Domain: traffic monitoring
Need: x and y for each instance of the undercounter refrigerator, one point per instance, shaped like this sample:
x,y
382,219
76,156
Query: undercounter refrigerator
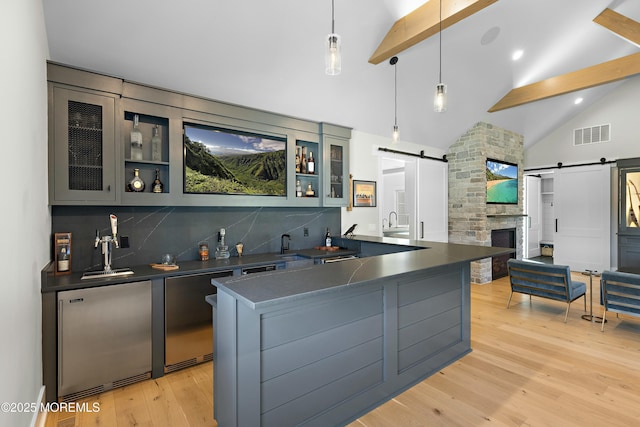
x,y
188,322
104,338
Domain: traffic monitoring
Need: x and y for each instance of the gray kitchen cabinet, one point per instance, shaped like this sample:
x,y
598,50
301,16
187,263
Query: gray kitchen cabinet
x,y
82,149
335,165
104,338
90,122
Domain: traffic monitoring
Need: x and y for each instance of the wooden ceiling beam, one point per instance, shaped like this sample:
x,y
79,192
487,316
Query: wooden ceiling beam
x,y
607,72
625,27
424,22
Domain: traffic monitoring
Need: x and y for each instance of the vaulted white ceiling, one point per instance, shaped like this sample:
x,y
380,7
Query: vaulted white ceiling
x,y
269,55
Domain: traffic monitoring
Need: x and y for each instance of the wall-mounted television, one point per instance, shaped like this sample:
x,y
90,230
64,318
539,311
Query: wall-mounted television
x,y
502,182
225,161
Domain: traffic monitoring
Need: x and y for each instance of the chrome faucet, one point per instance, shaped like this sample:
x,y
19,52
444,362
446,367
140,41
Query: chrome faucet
x,y
392,212
283,246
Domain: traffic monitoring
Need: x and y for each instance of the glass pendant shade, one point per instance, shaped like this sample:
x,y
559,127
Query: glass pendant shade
x,y
333,58
440,98
396,134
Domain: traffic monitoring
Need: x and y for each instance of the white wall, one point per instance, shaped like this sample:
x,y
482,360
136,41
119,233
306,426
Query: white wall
x,y
364,165
620,108
24,250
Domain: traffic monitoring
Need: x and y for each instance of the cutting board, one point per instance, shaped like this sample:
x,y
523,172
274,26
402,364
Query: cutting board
x,y
327,248
165,267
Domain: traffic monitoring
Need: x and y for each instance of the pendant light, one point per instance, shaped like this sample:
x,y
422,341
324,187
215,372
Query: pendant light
x,y
332,58
440,98
396,134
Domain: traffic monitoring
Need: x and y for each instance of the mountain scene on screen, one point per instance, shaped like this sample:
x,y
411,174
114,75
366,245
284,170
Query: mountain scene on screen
x,y
246,171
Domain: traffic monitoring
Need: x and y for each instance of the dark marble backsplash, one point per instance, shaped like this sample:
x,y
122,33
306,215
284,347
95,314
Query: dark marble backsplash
x,y
154,231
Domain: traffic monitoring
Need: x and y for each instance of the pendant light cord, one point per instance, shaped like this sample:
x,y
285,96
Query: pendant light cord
x,y
440,75
333,21
395,91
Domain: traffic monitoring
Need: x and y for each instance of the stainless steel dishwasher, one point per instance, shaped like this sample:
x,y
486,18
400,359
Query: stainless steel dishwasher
x,y
104,338
188,320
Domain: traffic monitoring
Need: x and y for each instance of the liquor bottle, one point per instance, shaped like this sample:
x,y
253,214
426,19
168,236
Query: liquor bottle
x,y
311,164
136,184
156,145
136,140
298,188
63,260
157,184
297,161
327,238
303,161
310,192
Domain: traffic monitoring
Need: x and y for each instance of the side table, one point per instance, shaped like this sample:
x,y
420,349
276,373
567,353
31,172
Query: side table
x,y
590,317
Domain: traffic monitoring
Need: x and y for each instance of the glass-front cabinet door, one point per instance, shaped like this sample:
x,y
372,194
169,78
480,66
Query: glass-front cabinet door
x,y
629,215
83,147
336,171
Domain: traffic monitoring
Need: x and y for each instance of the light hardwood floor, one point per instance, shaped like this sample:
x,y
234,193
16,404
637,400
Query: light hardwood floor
x,y
527,368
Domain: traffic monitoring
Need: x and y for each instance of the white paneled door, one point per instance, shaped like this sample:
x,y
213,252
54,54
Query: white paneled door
x,y
533,209
583,209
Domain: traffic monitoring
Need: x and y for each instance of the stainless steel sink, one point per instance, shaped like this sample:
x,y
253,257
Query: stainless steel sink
x,y
401,232
104,274
291,257
295,260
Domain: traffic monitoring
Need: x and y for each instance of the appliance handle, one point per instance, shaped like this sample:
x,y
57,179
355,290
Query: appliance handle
x,y
422,229
60,349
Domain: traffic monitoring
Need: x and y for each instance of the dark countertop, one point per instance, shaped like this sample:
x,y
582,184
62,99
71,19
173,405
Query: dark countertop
x,y
51,283
283,286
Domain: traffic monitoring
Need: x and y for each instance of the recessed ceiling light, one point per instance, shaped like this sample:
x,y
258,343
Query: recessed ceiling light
x,y
577,101
517,54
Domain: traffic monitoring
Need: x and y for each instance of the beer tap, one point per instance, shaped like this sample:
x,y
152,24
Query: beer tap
x,y
107,244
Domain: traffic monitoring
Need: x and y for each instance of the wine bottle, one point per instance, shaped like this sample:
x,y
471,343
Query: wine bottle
x,y
136,184
157,184
63,260
156,145
311,164
327,238
136,140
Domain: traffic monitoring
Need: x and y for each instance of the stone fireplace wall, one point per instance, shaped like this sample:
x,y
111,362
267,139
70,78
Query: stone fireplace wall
x,y
471,219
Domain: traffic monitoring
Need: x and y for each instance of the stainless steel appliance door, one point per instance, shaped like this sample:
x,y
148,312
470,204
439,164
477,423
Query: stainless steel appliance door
x,y
104,335
188,321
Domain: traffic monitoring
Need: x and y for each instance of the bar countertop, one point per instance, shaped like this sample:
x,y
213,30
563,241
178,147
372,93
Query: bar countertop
x,y
283,286
52,283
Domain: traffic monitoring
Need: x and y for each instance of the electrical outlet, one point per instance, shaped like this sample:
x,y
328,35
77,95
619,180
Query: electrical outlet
x,y
306,232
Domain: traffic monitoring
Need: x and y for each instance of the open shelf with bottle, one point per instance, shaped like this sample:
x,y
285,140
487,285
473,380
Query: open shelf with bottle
x,y
307,170
152,159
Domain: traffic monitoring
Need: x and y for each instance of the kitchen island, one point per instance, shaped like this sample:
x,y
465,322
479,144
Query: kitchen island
x,y
322,345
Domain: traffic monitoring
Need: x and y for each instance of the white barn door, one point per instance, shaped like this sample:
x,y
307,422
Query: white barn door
x,y
583,209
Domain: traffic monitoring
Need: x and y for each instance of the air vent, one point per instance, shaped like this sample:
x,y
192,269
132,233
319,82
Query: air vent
x,y
592,135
